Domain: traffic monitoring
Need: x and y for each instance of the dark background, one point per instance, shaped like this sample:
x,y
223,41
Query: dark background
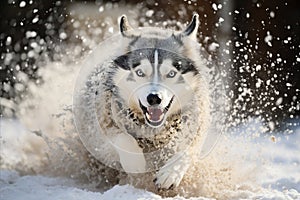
x,y
277,98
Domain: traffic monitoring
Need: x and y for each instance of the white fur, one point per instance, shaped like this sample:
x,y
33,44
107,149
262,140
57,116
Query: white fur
x,y
171,174
130,154
106,129
155,77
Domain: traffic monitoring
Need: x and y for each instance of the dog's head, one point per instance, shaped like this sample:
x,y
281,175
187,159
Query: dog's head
x,y
155,77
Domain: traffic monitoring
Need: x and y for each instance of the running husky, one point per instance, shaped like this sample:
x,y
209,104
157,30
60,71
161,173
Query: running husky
x,y
146,109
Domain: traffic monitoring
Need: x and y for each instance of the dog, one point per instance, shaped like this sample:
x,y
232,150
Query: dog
x,y
145,107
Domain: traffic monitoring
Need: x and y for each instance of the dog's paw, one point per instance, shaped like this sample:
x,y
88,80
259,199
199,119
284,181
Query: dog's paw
x,y
171,174
168,179
130,154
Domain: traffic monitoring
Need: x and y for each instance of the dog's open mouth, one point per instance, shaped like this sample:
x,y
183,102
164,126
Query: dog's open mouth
x,y
155,115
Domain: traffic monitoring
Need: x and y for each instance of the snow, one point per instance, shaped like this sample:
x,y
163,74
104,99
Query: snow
x,y
272,14
35,20
278,177
101,9
63,35
8,40
16,187
22,4
268,39
260,165
38,187
31,34
149,13
213,46
214,6
217,7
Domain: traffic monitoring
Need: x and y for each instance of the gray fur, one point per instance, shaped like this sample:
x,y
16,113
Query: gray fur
x,y
103,114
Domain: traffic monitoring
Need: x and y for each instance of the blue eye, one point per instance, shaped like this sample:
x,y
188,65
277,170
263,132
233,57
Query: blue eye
x,y
171,74
140,73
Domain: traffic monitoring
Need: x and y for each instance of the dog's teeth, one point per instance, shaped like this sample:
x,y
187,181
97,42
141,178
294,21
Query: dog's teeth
x,y
161,117
147,115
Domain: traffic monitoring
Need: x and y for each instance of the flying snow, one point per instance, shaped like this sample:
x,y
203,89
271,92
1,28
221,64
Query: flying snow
x,y
254,159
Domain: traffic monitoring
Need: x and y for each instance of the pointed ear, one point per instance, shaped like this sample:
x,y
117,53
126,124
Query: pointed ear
x,y
192,28
124,25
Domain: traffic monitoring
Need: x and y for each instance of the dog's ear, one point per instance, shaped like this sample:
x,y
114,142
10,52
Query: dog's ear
x,y
192,28
124,25
123,62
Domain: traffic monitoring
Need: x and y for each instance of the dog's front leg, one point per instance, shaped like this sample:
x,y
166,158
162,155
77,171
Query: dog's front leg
x,y
171,174
130,154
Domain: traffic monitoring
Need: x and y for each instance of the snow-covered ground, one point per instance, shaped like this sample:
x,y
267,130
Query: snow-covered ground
x,y
278,177
246,163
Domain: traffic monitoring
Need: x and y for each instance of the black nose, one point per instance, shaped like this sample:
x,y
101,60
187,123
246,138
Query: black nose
x,y
153,99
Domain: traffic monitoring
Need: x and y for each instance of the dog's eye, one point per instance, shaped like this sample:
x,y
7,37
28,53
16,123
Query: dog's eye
x,y
140,73
171,74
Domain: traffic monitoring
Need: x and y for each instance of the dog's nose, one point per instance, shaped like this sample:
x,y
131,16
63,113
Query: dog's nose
x,y
153,99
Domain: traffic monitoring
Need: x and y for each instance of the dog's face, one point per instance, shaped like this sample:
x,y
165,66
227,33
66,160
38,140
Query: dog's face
x,y
155,81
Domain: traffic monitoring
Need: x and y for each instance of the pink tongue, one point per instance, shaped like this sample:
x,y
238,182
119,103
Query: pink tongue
x,y
155,114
